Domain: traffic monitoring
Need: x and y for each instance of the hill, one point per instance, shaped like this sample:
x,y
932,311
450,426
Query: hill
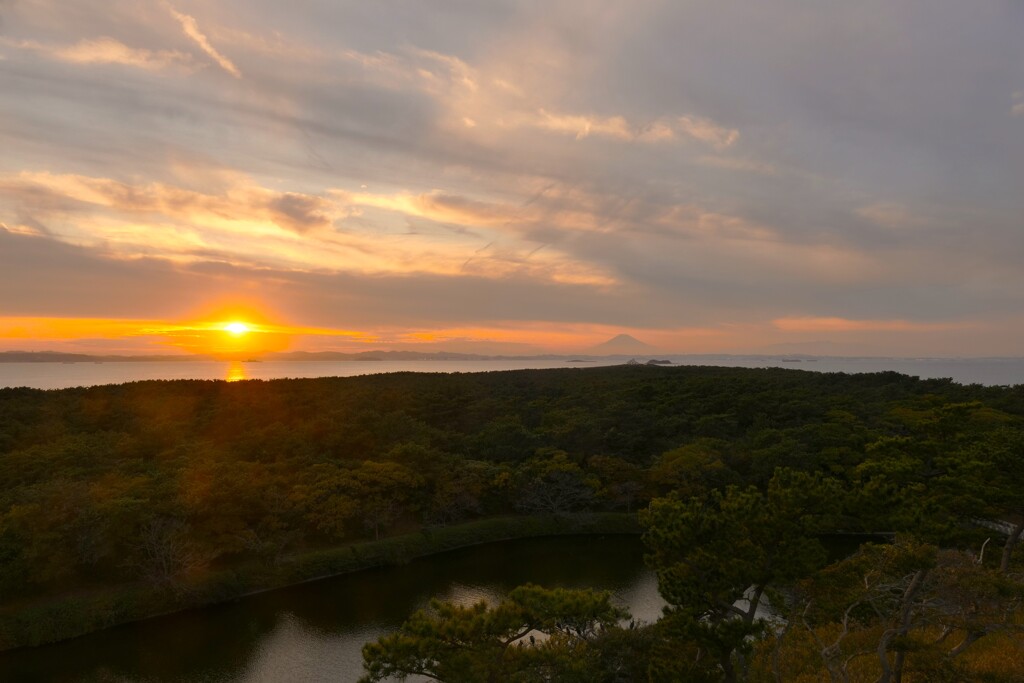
x,y
622,345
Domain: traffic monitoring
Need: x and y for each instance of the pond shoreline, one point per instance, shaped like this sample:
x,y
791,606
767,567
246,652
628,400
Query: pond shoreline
x,y
63,618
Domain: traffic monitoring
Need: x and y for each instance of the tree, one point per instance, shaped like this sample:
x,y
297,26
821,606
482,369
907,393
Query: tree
x,y
717,555
377,493
536,634
554,484
623,483
904,600
693,469
383,491
458,490
324,499
998,484
960,470
167,552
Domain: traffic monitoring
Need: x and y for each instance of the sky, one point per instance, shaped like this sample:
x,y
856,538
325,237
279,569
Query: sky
x,y
512,176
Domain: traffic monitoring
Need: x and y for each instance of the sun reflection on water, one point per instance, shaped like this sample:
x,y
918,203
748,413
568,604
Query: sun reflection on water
x,y
237,371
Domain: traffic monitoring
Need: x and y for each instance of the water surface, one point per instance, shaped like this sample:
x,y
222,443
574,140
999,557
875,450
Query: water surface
x,y
314,633
988,371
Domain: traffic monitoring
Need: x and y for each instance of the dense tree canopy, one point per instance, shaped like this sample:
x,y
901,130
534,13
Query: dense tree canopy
x,y
536,634
161,482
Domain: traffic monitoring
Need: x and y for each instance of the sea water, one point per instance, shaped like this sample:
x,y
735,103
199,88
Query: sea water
x,y
50,375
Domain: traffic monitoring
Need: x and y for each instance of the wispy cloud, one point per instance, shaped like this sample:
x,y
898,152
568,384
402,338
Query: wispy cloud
x,y
664,129
191,29
477,97
108,50
440,74
244,222
241,202
815,324
892,215
707,131
581,126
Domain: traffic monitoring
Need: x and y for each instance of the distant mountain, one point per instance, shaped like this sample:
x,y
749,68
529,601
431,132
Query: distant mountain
x,y
62,357
376,355
622,345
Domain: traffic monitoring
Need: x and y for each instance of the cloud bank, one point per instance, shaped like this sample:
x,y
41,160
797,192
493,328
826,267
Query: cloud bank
x,y
719,177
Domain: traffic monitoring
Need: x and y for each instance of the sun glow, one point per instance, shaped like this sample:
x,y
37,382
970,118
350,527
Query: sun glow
x,y
236,328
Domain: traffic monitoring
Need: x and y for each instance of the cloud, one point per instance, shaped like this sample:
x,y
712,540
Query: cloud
x,y
708,132
672,161
815,324
239,202
476,96
73,281
299,212
454,69
245,223
437,206
583,126
191,29
566,212
239,221
892,215
662,129
110,51
737,164
442,75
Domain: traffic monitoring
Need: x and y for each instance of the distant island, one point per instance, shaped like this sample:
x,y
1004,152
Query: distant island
x,y
61,357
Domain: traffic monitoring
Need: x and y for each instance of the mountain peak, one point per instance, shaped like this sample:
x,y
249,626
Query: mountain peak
x,y
622,344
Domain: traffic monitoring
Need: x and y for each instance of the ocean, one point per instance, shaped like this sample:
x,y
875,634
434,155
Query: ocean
x,y
987,371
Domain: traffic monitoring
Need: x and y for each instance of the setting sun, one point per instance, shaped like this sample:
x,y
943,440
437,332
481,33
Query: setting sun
x,y
236,328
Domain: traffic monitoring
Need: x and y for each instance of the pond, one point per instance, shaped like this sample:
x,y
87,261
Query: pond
x,y
315,632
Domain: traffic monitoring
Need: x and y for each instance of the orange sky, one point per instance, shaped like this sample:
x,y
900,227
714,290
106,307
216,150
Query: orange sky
x,y
250,334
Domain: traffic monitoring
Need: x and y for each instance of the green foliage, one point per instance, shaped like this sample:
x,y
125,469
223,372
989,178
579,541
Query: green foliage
x,y
536,634
716,555
173,483
693,469
553,484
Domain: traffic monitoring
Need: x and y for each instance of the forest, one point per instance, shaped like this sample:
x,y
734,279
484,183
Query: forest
x,y
737,475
